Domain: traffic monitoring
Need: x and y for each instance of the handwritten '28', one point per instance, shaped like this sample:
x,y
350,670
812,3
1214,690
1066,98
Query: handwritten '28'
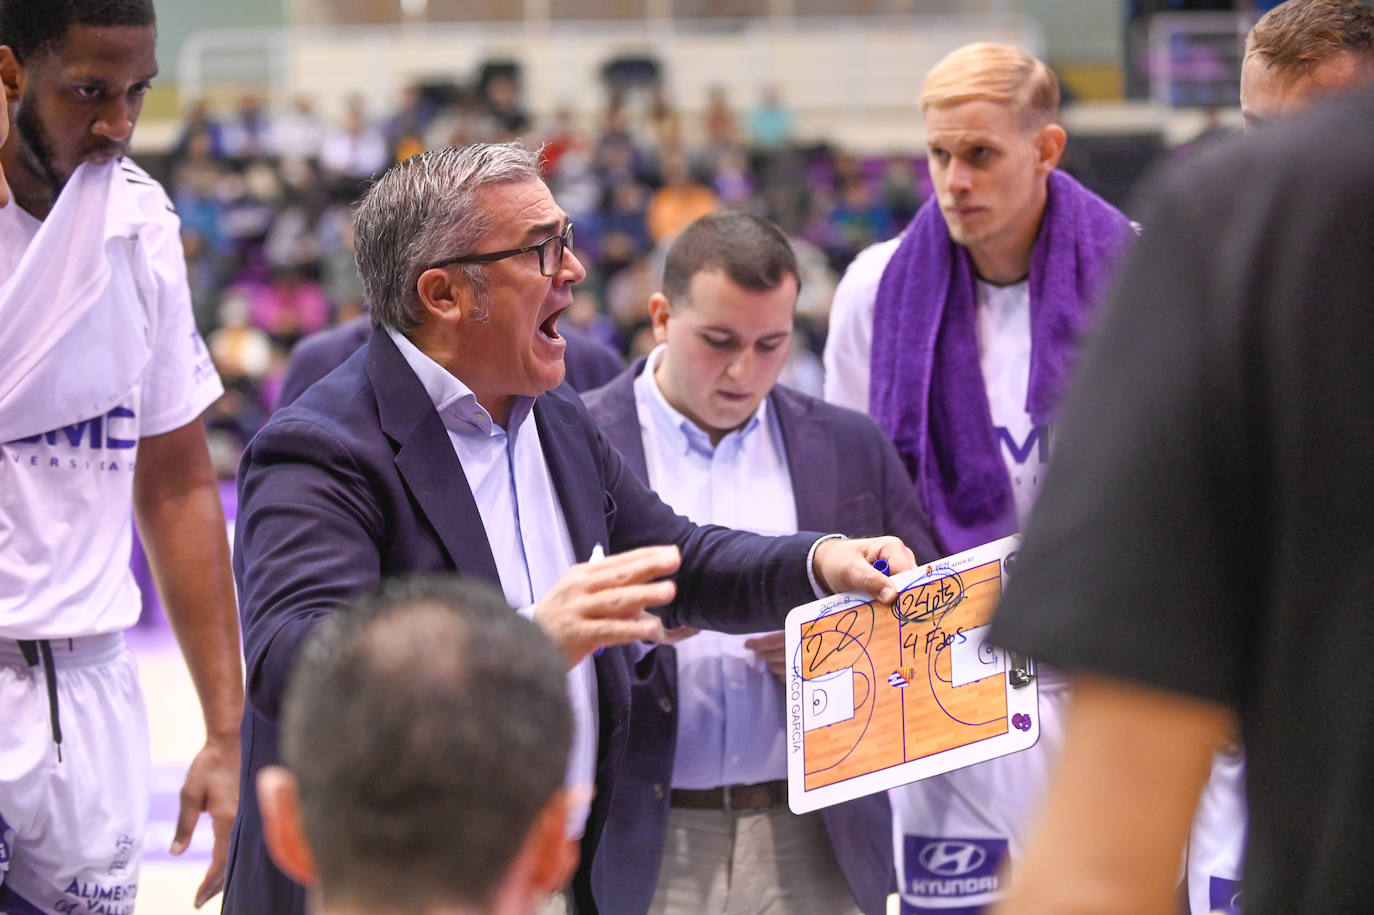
x,y
818,647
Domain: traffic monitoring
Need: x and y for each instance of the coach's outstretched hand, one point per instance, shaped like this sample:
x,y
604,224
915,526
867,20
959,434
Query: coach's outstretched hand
x,y
603,602
847,565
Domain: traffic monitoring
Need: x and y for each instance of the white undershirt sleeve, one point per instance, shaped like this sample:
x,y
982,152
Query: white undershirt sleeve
x,y
849,344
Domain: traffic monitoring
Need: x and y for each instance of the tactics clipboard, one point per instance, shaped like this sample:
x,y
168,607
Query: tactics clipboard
x,y
880,695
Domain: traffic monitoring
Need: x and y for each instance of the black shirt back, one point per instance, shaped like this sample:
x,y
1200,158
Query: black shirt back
x,y
1206,524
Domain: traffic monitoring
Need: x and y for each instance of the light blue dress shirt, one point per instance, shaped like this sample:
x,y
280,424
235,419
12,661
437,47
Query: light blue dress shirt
x,y
524,523
731,708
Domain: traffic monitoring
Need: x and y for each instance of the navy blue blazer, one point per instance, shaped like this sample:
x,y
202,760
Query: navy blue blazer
x,y
846,478
589,362
358,480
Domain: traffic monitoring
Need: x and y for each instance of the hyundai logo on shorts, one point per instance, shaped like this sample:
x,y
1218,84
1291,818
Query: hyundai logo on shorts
x,y
952,858
945,867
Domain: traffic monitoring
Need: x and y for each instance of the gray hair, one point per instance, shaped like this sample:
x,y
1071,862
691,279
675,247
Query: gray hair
x,y
424,210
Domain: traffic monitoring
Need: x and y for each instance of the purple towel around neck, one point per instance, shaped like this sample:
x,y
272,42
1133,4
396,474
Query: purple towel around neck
x,y
927,389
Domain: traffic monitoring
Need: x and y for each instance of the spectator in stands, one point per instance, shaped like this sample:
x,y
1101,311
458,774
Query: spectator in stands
x,y
405,801
1304,49
733,181
356,149
625,212
502,97
679,201
617,157
858,218
719,123
338,271
771,123
198,121
405,129
290,305
665,123
560,138
248,134
240,349
298,131
196,190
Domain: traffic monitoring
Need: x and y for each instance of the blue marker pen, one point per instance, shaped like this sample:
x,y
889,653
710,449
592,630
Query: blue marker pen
x,y
881,566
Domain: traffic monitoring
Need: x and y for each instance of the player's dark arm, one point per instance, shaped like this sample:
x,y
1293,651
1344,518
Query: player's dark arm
x,y
1119,808
181,523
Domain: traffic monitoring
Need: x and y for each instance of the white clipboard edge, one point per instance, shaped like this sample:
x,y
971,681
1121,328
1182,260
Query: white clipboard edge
x,y
1022,700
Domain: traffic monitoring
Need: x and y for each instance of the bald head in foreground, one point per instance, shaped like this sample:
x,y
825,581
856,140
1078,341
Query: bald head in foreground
x,y
396,793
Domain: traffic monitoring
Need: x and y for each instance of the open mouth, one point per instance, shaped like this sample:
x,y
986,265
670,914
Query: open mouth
x,y
548,329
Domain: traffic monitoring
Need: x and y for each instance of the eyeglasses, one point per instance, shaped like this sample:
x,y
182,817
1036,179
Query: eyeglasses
x,y
550,253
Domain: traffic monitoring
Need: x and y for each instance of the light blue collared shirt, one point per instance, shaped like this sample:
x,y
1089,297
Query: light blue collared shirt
x,y
731,708
524,524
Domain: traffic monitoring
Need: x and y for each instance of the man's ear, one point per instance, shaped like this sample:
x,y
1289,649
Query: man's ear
x,y
7,64
1050,141
660,310
11,74
281,824
555,855
444,295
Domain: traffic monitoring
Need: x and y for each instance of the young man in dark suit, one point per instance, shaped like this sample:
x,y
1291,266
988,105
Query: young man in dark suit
x,y
704,422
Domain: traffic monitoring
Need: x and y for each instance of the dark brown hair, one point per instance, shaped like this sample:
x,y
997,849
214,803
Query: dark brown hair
x,y
752,252
1297,36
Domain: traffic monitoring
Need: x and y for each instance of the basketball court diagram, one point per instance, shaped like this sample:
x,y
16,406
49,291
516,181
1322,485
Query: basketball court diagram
x,y
885,694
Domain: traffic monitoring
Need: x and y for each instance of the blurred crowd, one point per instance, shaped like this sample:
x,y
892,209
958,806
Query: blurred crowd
x,y
265,199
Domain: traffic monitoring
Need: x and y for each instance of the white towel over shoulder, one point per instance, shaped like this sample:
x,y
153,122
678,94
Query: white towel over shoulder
x,y
77,332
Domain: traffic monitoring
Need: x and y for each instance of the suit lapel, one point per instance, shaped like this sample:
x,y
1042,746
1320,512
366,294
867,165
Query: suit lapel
x,y
618,418
812,459
576,478
426,460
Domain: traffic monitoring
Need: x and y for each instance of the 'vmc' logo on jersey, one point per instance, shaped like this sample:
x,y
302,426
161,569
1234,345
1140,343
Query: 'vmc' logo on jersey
x,y
1038,440
117,429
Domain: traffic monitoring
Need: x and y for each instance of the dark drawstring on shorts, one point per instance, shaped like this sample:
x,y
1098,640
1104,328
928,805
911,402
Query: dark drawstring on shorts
x,y
31,650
